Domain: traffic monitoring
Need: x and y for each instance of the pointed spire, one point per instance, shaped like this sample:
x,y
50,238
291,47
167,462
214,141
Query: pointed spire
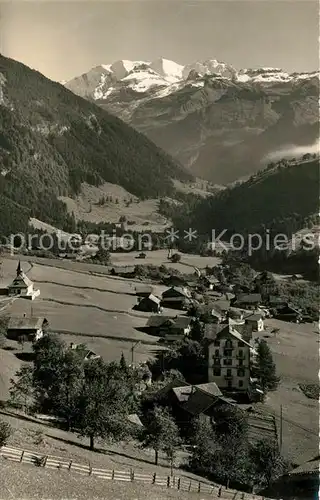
x,y
19,270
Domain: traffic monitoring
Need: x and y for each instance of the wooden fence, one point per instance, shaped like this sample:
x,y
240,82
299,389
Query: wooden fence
x,y
177,482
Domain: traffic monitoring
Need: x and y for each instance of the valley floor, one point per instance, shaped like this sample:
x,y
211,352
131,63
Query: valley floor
x,y
97,310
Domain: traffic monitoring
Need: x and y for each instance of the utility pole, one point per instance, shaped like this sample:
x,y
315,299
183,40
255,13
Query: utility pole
x,y
132,350
281,427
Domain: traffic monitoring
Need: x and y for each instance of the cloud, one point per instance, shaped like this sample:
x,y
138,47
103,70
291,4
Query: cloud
x,y
293,151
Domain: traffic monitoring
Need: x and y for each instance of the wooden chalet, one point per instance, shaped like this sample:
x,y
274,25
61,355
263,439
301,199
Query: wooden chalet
x,y
29,329
151,303
176,297
169,327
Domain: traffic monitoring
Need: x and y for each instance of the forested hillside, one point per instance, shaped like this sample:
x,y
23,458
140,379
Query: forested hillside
x,y
278,198
52,140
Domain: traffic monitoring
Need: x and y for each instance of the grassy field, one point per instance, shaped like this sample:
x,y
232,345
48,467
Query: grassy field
x,y
159,257
95,310
27,483
295,351
86,207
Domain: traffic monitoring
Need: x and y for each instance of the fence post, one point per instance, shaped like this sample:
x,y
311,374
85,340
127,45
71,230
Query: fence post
x,y
112,475
69,466
168,482
189,489
132,475
21,458
235,496
154,478
45,461
90,469
179,480
199,487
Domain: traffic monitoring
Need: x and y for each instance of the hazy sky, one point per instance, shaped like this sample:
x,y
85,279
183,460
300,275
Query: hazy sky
x,y
63,39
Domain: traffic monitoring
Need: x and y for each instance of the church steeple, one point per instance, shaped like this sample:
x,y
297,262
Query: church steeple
x,y
19,270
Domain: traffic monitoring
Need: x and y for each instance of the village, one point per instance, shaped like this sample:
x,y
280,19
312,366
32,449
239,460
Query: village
x,y
228,320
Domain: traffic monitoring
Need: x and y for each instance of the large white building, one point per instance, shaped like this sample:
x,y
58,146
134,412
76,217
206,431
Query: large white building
x,y
230,354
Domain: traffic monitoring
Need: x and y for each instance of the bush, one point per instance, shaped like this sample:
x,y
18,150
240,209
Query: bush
x,y
176,257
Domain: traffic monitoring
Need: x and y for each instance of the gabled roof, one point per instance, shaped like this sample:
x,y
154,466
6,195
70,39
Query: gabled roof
x,y
211,279
254,317
26,323
196,399
178,289
21,278
213,332
249,298
224,305
171,321
309,467
153,298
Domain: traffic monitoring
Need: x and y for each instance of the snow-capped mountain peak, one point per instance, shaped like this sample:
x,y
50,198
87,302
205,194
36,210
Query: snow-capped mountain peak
x,y
168,69
121,68
163,76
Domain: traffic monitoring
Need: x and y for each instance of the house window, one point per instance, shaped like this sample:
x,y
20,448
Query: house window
x,y
240,372
217,372
240,343
216,343
227,353
229,383
229,372
217,353
240,362
228,343
241,353
227,362
240,383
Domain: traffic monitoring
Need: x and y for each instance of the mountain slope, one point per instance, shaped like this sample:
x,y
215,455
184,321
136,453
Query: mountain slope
x,y
51,141
279,198
219,122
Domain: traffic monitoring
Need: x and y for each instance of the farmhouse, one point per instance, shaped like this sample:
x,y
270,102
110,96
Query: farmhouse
x,y
210,282
229,356
169,327
255,321
151,303
247,301
302,482
189,401
177,297
22,286
288,313
85,353
26,328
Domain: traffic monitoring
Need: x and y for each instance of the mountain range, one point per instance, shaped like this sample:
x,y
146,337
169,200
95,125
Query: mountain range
x,y
52,141
220,122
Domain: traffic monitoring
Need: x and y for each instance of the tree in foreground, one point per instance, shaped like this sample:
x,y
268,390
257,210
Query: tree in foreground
x,y
161,434
266,368
21,390
230,421
5,432
221,455
202,439
102,406
266,462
